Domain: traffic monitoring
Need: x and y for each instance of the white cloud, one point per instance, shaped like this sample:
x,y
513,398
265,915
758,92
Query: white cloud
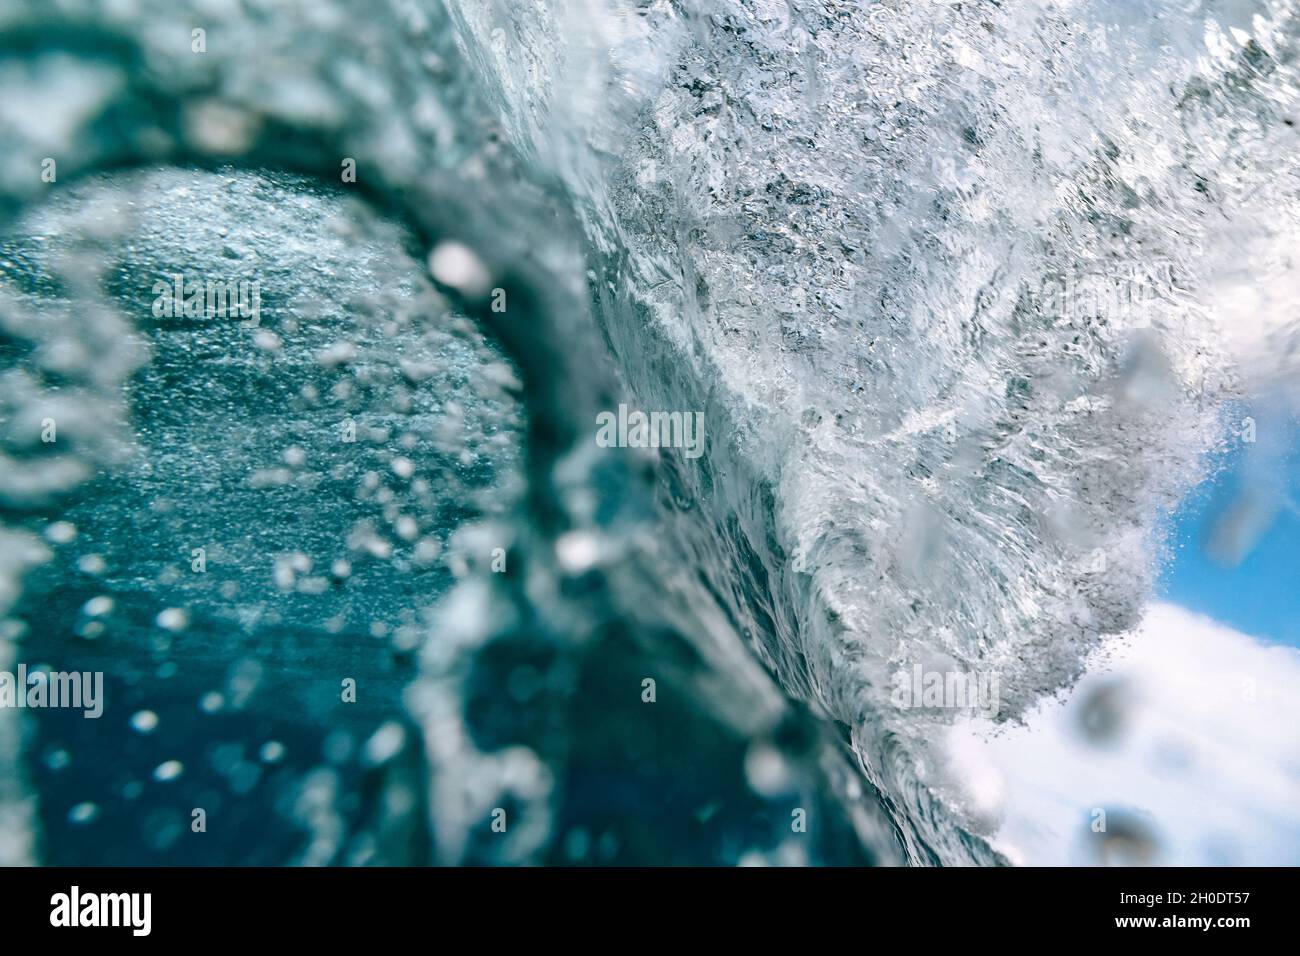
x,y
1187,734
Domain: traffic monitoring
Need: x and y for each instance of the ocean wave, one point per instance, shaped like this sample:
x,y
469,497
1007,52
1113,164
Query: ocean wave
x,y
946,283
943,281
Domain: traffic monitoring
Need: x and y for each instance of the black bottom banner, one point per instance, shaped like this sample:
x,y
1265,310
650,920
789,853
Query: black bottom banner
x,y
577,905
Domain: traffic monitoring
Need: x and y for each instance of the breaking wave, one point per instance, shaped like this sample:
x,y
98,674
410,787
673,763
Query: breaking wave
x,y
960,290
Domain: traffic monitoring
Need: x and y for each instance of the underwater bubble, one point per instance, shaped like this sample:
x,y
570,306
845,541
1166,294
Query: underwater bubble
x,y
767,770
457,266
385,744
577,551
58,759
83,813
98,606
61,532
168,770
173,619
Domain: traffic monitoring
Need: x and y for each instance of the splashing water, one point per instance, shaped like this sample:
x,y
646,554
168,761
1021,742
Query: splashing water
x,y
960,292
